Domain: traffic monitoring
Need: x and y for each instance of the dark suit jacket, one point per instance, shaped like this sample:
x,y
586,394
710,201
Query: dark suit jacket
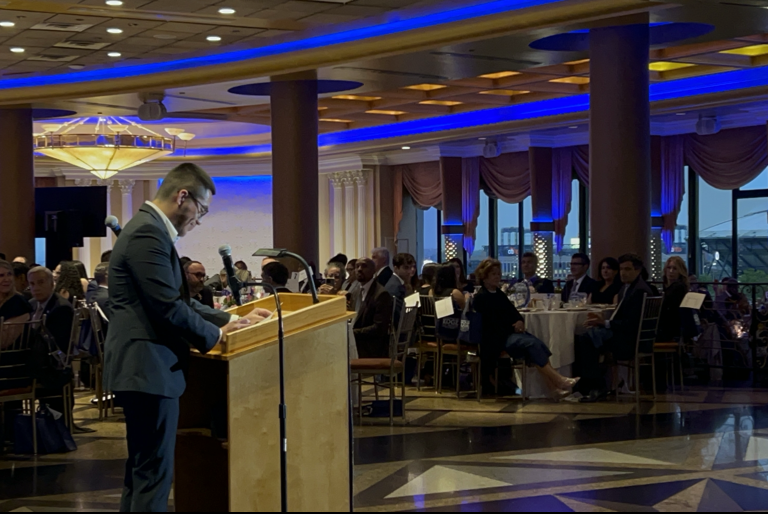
x,y
542,285
586,287
385,275
153,322
58,313
101,297
205,296
395,288
372,324
626,321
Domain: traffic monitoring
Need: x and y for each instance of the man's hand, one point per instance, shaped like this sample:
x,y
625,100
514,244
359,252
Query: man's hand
x,y
235,325
257,315
326,289
594,319
519,327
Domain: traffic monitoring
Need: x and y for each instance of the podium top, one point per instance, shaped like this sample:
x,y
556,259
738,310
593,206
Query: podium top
x,y
299,314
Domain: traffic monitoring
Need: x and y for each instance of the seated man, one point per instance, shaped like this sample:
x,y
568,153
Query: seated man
x,y
581,282
100,295
196,277
374,313
528,265
57,311
20,271
617,335
275,274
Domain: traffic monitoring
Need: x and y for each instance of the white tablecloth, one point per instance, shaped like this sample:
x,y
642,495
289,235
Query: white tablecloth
x,y
556,329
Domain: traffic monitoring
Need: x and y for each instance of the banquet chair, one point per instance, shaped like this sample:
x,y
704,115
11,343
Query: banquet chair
x,y
17,377
646,336
515,365
392,367
427,348
671,349
97,326
461,352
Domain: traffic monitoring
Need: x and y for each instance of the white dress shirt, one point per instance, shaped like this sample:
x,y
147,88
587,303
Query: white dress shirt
x,y
577,284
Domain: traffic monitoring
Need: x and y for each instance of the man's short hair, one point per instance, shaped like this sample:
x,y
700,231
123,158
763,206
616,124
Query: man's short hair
x,y
277,272
41,269
383,251
530,255
101,272
186,176
635,259
20,269
189,263
403,259
584,257
106,256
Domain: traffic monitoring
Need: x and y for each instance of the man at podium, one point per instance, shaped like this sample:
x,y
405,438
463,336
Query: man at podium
x,y
154,322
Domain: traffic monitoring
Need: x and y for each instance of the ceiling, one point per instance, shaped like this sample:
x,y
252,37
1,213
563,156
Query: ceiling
x,y
63,35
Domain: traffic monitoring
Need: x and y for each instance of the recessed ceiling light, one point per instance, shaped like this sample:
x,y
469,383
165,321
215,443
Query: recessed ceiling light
x,y
500,75
7,24
115,3
504,92
226,10
426,87
481,138
357,97
114,30
164,36
572,80
668,66
114,54
406,148
680,114
213,39
388,113
445,103
76,66
17,50
573,127
335,120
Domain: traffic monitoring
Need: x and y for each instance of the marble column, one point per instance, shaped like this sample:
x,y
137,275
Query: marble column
x,y
620,142
84,253
337,181
126,188
17,176
350,211
295,164
362,218
106,242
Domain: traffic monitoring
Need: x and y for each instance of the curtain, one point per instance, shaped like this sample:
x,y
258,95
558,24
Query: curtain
x,y
672,185
507,177
729,159
470,200
581,163
422,180
562,176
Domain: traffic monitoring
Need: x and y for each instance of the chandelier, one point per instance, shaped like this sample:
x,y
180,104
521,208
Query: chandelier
x,y
105,147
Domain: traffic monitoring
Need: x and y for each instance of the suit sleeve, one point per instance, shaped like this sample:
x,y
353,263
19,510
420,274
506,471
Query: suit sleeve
x,y
382,317
217,317
150,263
630,322
59,324
547,287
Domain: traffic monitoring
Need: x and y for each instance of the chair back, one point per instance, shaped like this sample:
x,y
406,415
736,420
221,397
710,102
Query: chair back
x,y
81,315
649,323
428,318
16,340
408,325
97,326
396,326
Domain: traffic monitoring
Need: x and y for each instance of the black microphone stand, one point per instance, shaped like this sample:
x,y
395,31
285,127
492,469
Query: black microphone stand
x,y
282,410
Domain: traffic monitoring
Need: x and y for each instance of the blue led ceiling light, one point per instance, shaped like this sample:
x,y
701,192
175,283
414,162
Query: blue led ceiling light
x,y
393,23
721,82
659,34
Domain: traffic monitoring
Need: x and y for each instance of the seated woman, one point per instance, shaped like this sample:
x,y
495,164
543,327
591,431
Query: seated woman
x,y
445,285
504,331
606,291
461,278
69,284
335,276
428,273
14,308
675,288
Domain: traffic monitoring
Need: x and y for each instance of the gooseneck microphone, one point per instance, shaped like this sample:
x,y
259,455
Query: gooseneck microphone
x,y
234,283
113,224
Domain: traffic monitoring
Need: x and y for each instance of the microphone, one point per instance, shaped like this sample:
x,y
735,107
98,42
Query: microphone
x,y
234,283
112,223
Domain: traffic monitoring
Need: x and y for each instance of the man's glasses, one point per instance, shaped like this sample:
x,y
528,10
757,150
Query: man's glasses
x,y
202,277
202,210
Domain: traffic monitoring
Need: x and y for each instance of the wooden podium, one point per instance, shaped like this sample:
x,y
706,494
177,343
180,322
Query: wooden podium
x,y
233,393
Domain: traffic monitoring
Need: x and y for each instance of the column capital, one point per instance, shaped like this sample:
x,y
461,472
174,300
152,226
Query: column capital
x,y
126,186
337,179
108,182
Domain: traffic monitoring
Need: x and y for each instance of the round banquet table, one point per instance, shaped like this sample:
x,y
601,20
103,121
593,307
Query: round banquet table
x,y
556,329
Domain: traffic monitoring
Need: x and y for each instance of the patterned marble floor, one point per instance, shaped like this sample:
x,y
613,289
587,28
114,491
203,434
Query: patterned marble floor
x,y
702,450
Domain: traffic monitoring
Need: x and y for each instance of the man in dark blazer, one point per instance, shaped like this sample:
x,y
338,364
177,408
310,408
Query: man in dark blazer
x,y
46,304
528,264
380,258
581,282
374,313
101,294
617,335
154,323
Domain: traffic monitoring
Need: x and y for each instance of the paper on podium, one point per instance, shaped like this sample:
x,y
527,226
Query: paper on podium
x,y
693,301
444,308
412,301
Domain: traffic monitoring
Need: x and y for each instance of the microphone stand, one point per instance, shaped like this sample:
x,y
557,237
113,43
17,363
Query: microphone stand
x,y
282,409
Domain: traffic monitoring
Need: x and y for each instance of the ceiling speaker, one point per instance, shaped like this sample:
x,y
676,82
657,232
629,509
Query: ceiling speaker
x,y
707,125
491,149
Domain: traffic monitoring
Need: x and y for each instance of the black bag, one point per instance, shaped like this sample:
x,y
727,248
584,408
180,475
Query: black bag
x,y
53,436
471,329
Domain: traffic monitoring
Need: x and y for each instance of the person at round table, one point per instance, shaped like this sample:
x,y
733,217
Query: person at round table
x,y
14,308
606,291
675,288
446,285
335,275
504,332
404,265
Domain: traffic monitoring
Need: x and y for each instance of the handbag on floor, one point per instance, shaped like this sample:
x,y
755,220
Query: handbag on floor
x,y
471,328
53,436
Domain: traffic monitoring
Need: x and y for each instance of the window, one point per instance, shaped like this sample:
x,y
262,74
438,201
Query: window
x,y
714,254
508,238
760,182
680,242
562,260
430,241
481,235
